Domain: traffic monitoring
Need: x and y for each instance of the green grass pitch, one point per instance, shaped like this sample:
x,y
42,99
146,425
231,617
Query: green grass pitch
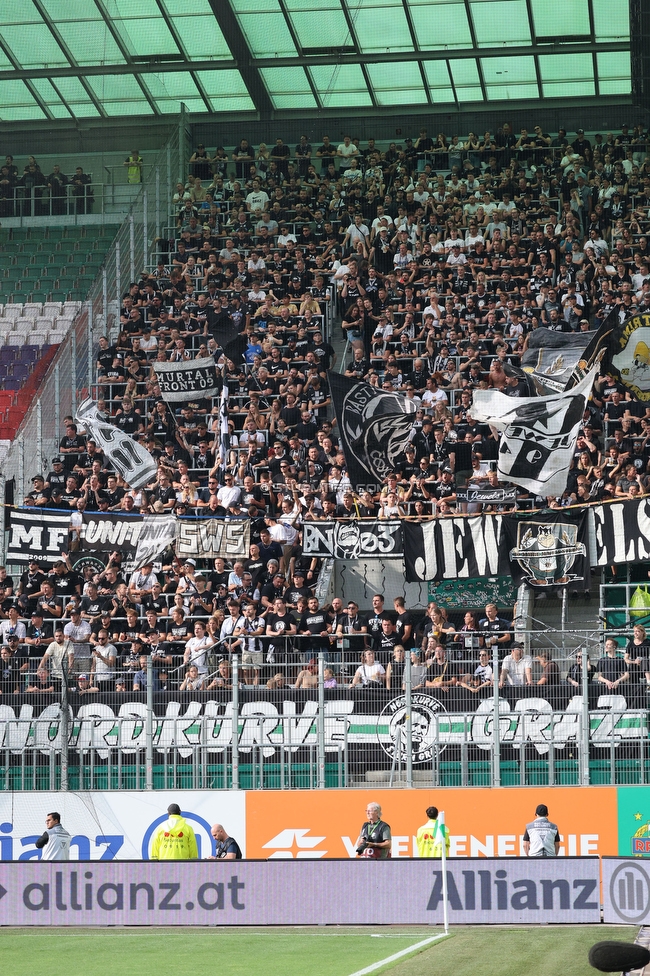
x,y
336,951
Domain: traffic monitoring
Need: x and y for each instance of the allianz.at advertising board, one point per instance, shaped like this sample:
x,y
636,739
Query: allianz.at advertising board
x,y
288,892
292,723
626,891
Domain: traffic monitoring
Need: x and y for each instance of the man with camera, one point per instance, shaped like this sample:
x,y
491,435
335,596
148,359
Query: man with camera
x,y
374,839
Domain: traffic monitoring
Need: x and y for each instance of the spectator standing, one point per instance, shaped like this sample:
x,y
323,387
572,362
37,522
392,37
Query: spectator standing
x,y
55,841
174,840
374,838
431,836
541,837
134,164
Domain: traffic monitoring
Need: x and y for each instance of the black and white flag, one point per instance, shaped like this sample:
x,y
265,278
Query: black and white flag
x,y
538,434
454,548
130,459
191,380
374,427
551,357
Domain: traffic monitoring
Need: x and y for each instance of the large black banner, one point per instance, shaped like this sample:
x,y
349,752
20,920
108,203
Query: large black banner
x,y
374,428
191,380
454,548
352,539
621,532
547,548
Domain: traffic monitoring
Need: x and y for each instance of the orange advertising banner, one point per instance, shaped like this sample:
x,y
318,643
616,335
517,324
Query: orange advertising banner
x,y
481,822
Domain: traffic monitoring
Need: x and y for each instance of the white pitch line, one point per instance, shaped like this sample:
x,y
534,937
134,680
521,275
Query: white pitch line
x,y
399,955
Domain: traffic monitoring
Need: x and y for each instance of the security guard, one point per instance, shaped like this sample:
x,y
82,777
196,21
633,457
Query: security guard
x,y
430,836
174,840
541,837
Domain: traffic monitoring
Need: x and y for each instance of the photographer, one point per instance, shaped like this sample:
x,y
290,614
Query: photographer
x,y
374,839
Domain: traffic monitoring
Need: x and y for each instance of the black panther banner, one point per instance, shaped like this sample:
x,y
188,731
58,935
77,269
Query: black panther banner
x,y
374,428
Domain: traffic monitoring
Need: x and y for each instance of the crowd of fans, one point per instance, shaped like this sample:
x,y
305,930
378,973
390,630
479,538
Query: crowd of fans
x,y
32,192
436,259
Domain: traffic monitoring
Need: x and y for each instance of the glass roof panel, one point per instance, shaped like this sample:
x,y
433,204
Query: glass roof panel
x,y
17,102
146,35
90,43
267,33
72,91
566,75
397,83
321,29
340,85
74,10
171,84
226,91
123,107
440,25
33,46
437,75
611,19
380,25
4,60
124,9
201,36
16,12
553,18
499,22
180,8
466,80
614,73
288,87
50,97
115,86
505,71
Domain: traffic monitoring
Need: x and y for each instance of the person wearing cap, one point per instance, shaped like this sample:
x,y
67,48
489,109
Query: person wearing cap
x,y
85,686
77,629
39,495
141,582
516,668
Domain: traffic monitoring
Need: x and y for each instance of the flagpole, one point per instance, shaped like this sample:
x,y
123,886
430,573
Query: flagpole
x,y
445,903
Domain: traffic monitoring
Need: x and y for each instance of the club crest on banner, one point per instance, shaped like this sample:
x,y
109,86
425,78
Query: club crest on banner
x,y
632,357
546,552
424,720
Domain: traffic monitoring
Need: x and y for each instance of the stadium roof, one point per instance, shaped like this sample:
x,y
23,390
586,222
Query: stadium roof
x,y
63,59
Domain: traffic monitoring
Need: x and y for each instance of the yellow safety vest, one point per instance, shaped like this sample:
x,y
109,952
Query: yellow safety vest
x,y
174,841
429,839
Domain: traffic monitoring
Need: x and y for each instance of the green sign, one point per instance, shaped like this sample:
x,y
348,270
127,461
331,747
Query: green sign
x,y
474,593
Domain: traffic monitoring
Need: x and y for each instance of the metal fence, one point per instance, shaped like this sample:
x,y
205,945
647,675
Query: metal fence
x,y
331,732
72,372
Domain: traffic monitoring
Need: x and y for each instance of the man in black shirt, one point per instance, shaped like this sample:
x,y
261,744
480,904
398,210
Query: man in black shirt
x,y
374,619
315,623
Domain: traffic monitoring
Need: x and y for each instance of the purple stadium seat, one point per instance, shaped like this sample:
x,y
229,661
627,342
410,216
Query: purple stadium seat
x,y
7,354
20,371
11,383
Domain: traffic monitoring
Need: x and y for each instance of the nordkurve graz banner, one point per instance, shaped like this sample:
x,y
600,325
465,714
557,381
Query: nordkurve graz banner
x,y
372,724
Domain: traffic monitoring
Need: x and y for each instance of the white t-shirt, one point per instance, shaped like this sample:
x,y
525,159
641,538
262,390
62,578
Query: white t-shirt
x,y
370,672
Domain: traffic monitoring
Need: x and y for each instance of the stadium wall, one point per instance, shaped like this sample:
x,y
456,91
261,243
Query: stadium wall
x,y
324,824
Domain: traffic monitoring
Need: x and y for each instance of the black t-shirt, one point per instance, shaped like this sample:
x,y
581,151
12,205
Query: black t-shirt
x,y
373,623
228,846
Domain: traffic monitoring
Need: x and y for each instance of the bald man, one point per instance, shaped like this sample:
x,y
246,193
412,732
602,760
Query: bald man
x,y
227,848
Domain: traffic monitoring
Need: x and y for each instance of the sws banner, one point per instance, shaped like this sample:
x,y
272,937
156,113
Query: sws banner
x,y
352,539
191,380
43,535
210,538
374,427
295,892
